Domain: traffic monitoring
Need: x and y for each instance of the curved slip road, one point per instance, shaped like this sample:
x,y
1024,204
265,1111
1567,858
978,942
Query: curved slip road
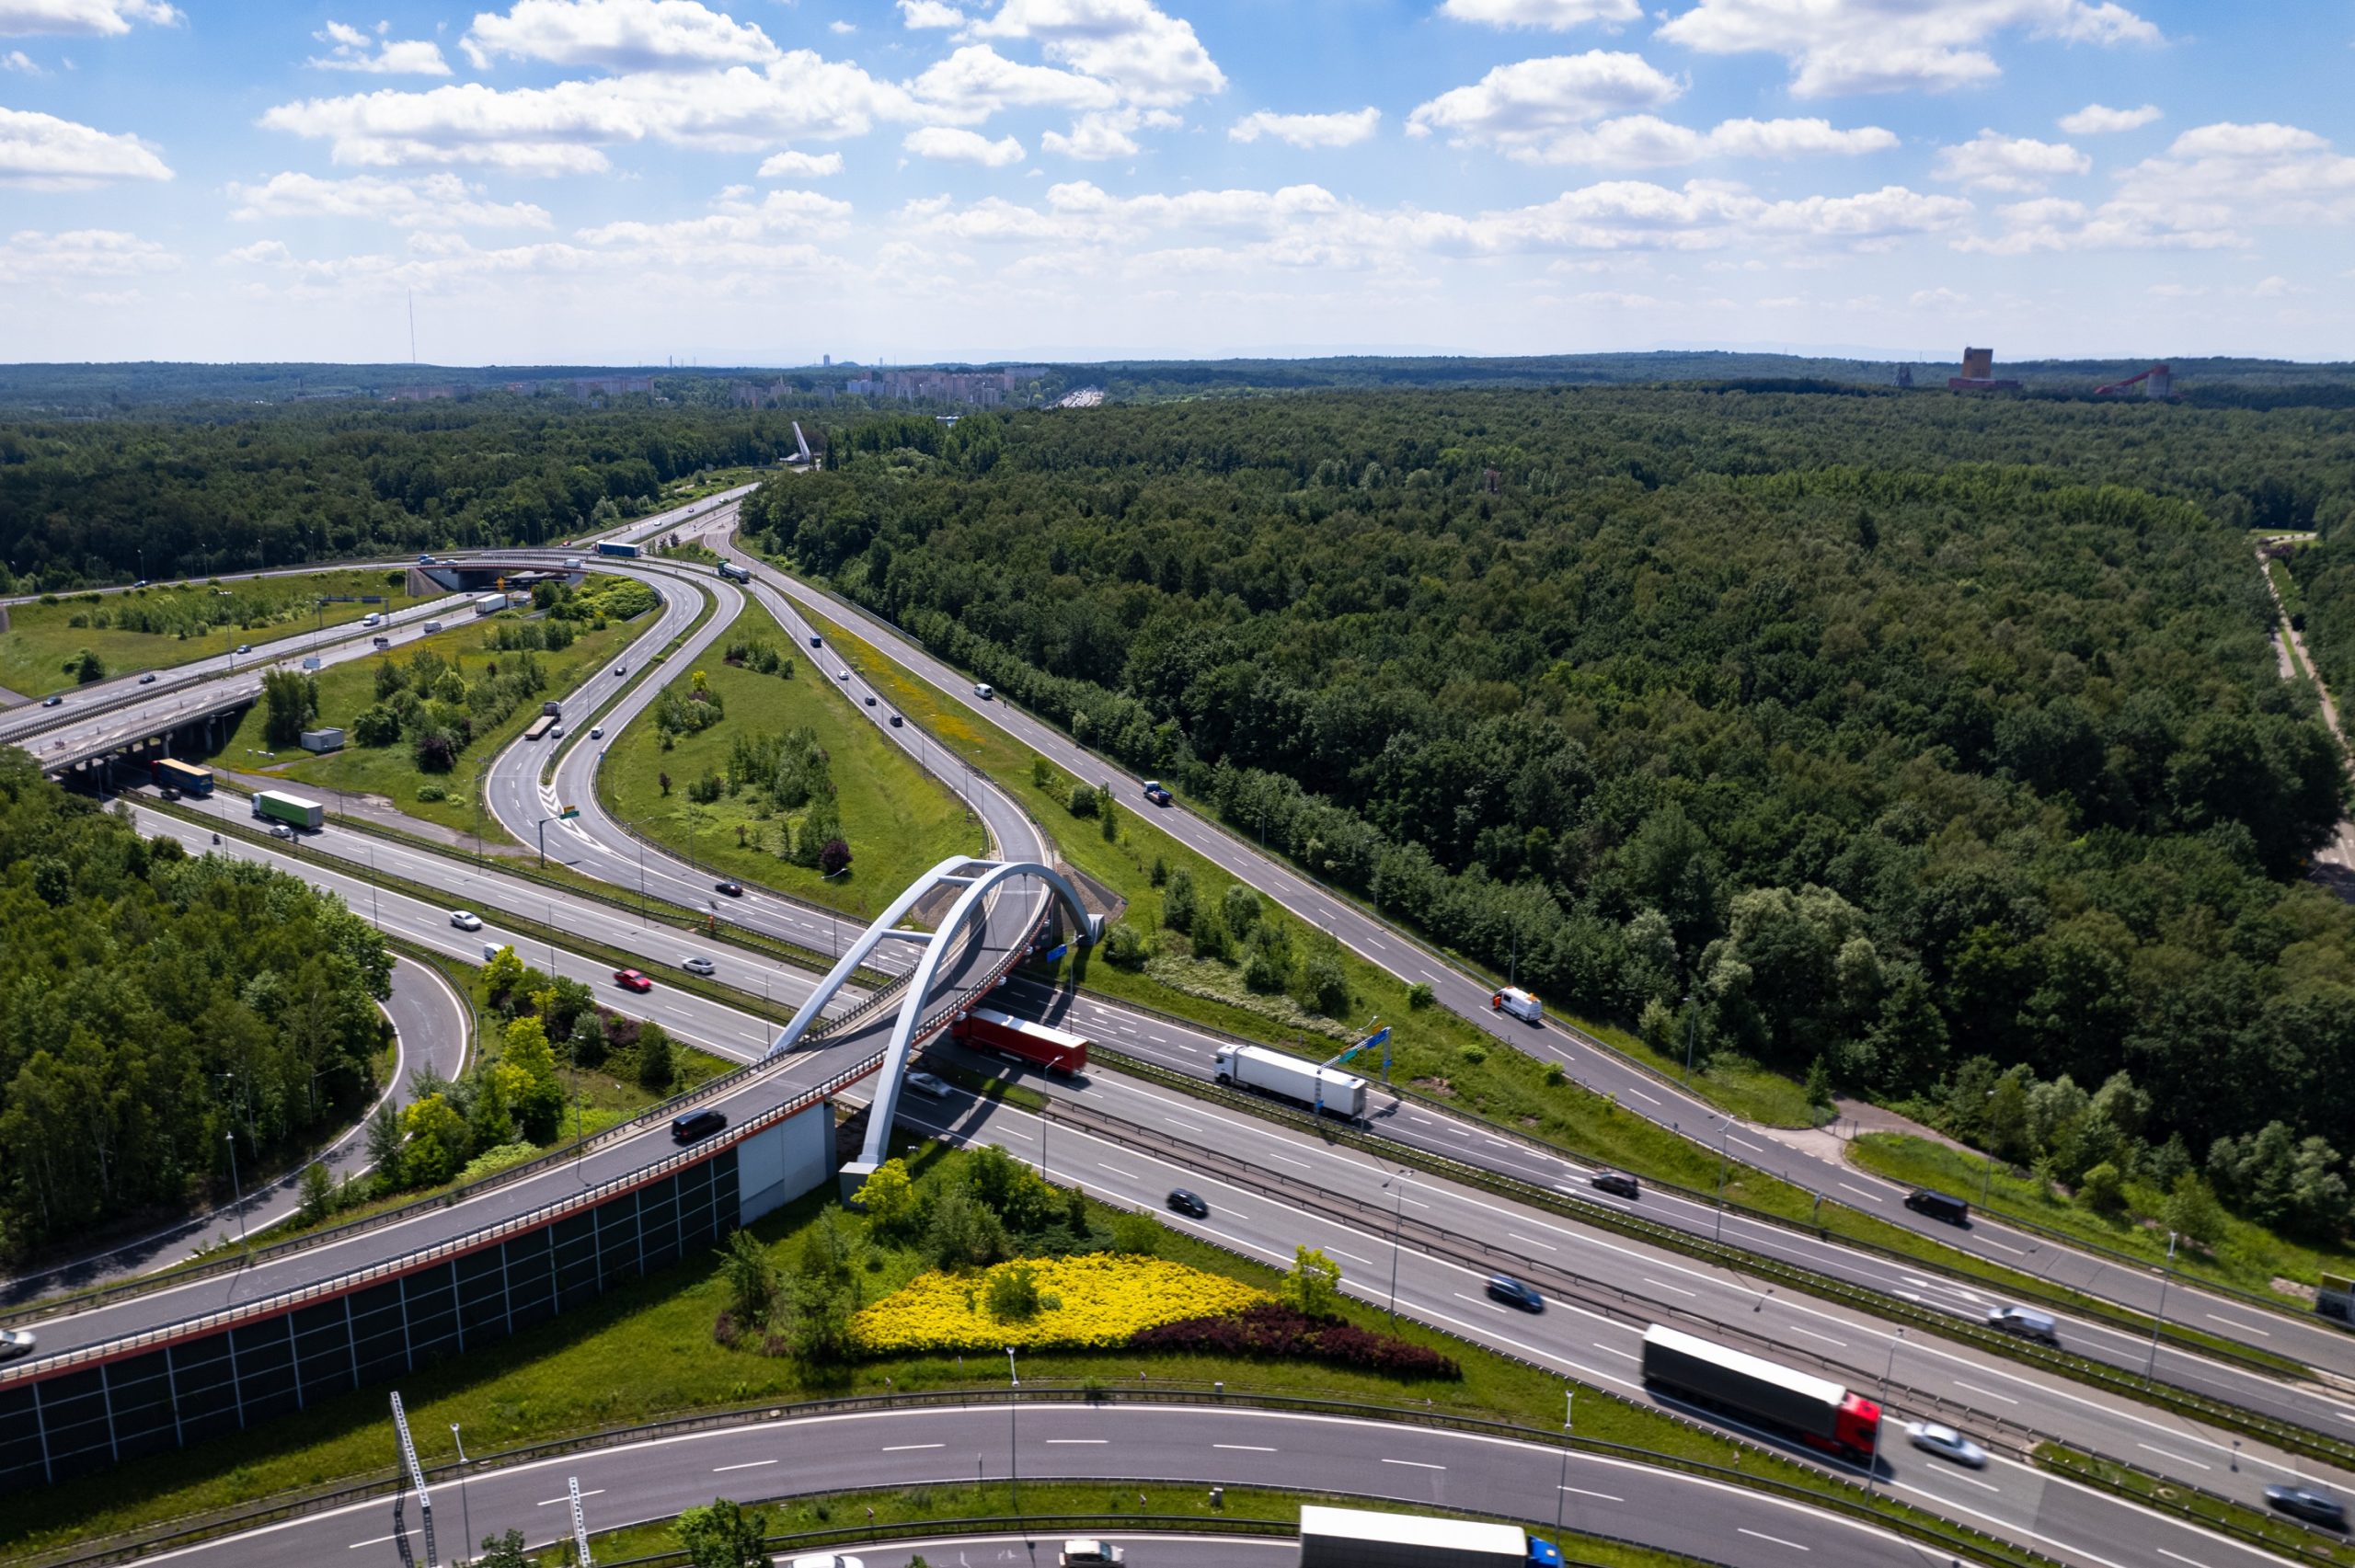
x,y
1173,1446
1589,1062
429,1024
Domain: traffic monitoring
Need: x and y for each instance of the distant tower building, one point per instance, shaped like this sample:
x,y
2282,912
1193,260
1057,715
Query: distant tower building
x,y
826,360
1905,376
2160,383
1979,364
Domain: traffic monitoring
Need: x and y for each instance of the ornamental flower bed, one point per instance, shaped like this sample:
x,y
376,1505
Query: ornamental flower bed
x,y
1273,1331
1094,1301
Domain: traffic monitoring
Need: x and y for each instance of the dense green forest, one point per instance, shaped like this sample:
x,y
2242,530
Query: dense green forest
x,y
157,1006
1891,732
203,494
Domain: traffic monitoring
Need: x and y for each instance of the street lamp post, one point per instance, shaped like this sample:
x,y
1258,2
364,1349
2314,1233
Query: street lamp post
x,y
1725,1161
236,1187
2160,1323
1569,1407
1013,1441
1398,1186
1873,1474
1692,1031
465,1513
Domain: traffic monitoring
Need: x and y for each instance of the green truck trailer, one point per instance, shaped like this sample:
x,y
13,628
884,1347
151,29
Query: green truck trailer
x,y
277,806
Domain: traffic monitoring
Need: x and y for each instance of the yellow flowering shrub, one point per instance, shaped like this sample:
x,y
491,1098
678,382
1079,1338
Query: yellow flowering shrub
x,y
1094,1301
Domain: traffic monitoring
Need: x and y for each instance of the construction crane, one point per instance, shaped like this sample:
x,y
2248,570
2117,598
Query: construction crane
x,y
2156,381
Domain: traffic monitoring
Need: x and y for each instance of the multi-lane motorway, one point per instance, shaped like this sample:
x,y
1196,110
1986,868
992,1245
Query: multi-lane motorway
x,y
1591,1342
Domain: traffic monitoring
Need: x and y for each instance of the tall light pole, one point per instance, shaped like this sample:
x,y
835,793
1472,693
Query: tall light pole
x,y
1692,1030
2159,1322
1873,1474
1013,1440
1398,1186
1725,1161
236,1187
1569,1406
465,1514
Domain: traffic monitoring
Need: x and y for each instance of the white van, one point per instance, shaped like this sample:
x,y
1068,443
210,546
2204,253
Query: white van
x,y
982,690
1520,1003
372,620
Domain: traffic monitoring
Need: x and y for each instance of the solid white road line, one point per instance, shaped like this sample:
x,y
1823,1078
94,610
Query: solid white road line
x,y
1607,1496
1778,1540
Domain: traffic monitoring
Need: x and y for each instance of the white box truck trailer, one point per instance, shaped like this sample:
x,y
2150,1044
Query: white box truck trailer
x,y
1289,1078
1358,1538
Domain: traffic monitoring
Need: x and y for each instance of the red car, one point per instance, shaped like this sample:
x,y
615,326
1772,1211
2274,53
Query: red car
x,y
631,979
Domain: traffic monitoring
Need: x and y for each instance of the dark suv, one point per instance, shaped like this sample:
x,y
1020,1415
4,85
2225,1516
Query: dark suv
x,y
1516,1293
2304,1503
1618,1182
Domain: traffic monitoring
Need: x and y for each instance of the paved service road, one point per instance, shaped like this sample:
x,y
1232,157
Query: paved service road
x,y
1589,1061
1179,1446
429,1019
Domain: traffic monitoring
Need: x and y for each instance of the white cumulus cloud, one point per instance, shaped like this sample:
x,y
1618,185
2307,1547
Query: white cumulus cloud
x,y
1151,57
976,81
1644,140
1886,46
76,254
619,35
40,152
82,18
433,201
1992,160
950,144
1338,130
17,60
348,48
2099,120
930,14
1527,104
1106,133
1558,15
800,165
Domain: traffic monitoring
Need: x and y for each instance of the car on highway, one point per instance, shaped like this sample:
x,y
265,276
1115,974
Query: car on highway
x,y
148,679
15,1343
895,721
1932,1437
596,732
170,793
244,648
1515,1293
2306,1503
842,674
733,889
1156,794
982,690
1938,1205
52,702
2027,1322
698,965
815,640
928,1083
465,919
825,1560
1185,1202
631,979
1619,1184
694,1125
621,668
1085,1551
281,830
871,699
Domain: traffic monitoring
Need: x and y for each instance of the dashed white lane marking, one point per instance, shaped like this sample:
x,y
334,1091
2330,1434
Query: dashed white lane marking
x,y
912,1447
1639,1094
1825,1337
1678,1289
552,1502
1078,1442
1532,1240
1778,1540
1129,1175
748,1464
1414,1464
2177,1458
2180,1557
2236,1322
1990,1393
1243,1447
1607,1496
1860,1192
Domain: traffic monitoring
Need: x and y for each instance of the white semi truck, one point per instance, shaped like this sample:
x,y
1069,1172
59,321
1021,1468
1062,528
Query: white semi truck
x,y
1355,1537
1290,1078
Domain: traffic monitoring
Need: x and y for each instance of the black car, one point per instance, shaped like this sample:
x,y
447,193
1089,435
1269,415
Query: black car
x,y
1618,1182
696,1125
52,702
1938,1205
733,889
895,721
2304,1503
1515,1293
1185,1202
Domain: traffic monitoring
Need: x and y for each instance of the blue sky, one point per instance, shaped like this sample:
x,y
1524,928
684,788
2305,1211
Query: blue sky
x,y
752,181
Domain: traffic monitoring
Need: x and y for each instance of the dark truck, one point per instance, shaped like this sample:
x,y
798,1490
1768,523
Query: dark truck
x,y
1816,1411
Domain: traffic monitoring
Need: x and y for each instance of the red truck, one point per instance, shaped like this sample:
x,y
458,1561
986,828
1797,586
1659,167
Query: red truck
x,y
1018,1037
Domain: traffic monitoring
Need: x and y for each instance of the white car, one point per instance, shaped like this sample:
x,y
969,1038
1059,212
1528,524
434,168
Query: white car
x,y
465,919
1946,1443
825,1560
596,732
982,691
925,1083
15,1343
698,966
1078,1552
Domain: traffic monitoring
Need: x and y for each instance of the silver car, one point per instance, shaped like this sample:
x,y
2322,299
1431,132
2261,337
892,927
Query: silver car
x,y
15,1343
698,966
1946,1443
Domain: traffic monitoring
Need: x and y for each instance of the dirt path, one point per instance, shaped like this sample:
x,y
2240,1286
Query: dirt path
x,y
2336,860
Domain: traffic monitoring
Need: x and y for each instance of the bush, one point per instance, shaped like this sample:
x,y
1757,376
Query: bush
x,y
1419,996
2101,1188
432,792
1123,947
655,1068
1272,1331
1080,801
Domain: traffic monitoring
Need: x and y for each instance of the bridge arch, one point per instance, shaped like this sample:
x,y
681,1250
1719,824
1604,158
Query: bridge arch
x,y
978,878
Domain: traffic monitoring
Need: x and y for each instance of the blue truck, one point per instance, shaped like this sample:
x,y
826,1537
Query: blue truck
x,y
615,547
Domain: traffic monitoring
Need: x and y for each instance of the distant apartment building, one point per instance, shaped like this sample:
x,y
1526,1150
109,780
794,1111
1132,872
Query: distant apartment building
x,y
984,389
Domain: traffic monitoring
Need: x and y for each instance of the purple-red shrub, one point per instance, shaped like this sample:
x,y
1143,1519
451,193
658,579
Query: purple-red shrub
x,y
1272,1331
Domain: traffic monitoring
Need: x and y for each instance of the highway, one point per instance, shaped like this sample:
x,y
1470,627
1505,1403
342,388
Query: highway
x,y
1162,1445
1173,1046
429,1020
1588,1061
1639,1284
1429,1286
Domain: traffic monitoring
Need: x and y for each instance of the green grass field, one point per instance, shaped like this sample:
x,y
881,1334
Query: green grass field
x,y
345,690
646,1350
897,822
903,1510
41,638
2247,1256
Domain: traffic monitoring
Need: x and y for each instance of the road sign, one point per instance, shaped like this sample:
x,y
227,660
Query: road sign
x,y
1379,1037
568,813
1056,954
